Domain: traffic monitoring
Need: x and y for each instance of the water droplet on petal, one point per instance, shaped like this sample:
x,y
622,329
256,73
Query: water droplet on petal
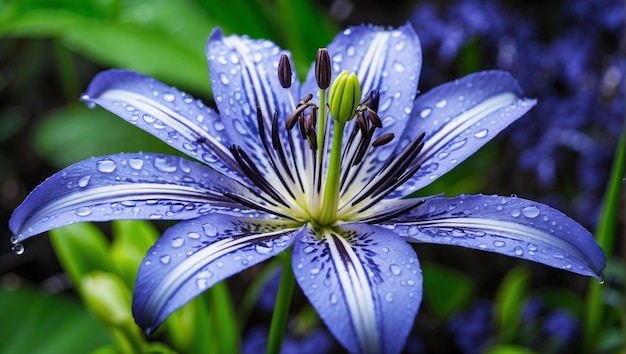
x,y
209,230
481,133
83,211
162,164
135,163
530,211
83,181
177,242
309,249
314,271
224,79
515,213
395,269
193,235
18,248
14,239
106,165
165,259
424,113
333,298
169,97
532,247
441,103
389,297
518,251
498,243
262,249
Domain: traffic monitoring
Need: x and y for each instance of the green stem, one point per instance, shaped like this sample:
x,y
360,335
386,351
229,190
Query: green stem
x,y
321,125
330,203
605,236
281,309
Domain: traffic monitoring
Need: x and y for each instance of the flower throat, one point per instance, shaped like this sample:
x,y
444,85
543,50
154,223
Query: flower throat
x,y
310,174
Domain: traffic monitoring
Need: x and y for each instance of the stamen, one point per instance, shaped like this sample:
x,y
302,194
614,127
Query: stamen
x,y
284,71
322,69
383,139
374,118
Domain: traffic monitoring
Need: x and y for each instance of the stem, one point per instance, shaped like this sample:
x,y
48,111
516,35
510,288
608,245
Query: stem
x,y
330,203
281,308
321,125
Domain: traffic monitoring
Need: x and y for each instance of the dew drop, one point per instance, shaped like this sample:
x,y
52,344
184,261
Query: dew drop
x,y
389,297
201,283
193,235
148,118
18,248
177,242
333,298
441,103
481,133
106,165
165,259
83,211
162,164
178,207
530,211
209,230
498,243
518,251
224,79
14,240
262,249
424,113
83,181
395,269
558,255
309,249
314,271
169,97
135,163
457,144
398,67
532,247
515,213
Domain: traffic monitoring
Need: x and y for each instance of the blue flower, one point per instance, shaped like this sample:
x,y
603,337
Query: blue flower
x,y
283,173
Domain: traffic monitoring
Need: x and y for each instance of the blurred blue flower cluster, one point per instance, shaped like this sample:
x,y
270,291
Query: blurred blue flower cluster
x,y
571,61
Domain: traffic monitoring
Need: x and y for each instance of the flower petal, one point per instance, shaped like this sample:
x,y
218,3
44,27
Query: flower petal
x,y
123,186
244,76
163,111
459,118
195,254
364,281
511,226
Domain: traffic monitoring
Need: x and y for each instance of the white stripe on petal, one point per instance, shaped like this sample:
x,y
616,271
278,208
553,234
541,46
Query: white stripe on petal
x,y
357,291
460,123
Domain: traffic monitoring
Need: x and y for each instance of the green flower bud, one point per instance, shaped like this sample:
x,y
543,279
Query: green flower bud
x,y
106,295
344,96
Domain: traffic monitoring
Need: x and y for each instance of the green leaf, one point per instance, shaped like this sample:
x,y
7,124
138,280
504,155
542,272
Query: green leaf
x,y
131,241
508,349
159,38
81,248
446,290
510,298
605,235
37,323
59,133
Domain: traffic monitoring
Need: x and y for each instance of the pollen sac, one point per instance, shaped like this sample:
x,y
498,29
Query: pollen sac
x,y
344,96
323,70
284,71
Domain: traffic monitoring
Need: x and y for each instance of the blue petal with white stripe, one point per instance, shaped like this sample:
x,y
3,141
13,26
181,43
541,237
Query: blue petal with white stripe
x,y
459,118
511,226
195,254
364,281
173,116
124,186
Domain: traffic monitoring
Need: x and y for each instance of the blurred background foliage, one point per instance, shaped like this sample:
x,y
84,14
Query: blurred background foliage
x,y
568,54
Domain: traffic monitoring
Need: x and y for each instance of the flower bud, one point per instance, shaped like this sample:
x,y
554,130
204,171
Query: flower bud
x,y
344,96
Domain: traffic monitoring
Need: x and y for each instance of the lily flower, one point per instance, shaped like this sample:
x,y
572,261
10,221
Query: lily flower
x,y
321,167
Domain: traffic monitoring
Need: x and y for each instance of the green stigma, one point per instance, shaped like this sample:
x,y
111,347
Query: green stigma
x,y
344,96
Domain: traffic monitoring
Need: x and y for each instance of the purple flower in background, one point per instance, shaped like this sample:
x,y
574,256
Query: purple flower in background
x,y
472,329
288,170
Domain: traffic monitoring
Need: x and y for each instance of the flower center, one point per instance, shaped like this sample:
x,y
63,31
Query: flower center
x,y
313,176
